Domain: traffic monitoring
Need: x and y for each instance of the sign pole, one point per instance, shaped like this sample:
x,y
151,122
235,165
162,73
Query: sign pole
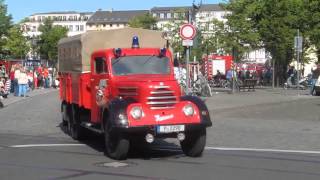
x,y
188,74
298,62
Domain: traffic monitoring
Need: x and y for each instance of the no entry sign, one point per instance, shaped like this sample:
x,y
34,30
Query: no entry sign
x,y
187,31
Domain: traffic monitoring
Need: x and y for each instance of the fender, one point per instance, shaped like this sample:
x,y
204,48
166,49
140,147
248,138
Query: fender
x,y
112,111
205,118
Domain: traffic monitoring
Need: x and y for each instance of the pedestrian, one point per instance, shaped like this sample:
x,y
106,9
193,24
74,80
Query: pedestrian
x,y
11,76
16,76
23,81
314,78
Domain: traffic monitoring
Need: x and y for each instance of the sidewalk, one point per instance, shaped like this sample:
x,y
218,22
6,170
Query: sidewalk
x,y
14,99
225,100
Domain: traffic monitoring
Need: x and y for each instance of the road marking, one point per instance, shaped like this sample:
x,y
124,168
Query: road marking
x,y
43,145
263,150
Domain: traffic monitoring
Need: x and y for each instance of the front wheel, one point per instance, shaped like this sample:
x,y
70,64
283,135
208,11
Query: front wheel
x,y
194,143
116,143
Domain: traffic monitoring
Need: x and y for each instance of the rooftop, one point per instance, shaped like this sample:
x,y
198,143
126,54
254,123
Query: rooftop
x,y
114,16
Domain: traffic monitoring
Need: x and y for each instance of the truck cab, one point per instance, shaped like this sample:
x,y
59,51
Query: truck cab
x,y
131,93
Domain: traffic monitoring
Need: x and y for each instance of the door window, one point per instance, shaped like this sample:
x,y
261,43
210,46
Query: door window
x,y
100,66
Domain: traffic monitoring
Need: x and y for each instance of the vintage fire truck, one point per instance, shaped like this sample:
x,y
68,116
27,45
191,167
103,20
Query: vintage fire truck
x,y
214,63
114,85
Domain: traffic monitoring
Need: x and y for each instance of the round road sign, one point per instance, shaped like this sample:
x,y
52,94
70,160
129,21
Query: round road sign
x,y
187,31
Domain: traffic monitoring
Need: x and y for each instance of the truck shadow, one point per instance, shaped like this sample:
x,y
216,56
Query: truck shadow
x,y
139,149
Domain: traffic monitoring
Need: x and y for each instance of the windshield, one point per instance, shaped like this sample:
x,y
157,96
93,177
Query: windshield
x,y
129,65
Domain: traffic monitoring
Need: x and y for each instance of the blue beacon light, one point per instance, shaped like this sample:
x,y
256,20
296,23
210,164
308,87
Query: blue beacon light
x,y
135,42
163,52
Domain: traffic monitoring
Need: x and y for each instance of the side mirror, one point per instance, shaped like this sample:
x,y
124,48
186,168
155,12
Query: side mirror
x,y
103,84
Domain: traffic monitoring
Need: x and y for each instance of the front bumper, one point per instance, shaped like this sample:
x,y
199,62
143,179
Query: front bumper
x,y
152,129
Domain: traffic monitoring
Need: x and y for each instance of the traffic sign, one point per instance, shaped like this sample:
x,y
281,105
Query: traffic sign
x,y
187,31
187,42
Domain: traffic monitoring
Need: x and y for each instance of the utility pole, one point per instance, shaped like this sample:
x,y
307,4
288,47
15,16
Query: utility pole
x,y
298,60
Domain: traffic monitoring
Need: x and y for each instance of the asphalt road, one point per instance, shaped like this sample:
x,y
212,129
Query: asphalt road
x,y
266,140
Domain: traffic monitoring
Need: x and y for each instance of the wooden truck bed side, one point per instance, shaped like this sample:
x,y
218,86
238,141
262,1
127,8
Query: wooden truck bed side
x,y
75,88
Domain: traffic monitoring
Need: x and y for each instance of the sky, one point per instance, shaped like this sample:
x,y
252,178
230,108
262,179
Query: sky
x,y
20,9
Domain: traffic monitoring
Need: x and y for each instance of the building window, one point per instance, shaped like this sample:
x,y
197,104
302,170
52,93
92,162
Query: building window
x,y
77,28
161,15
154,15
168,15
81,28
70,28
111,25
176,15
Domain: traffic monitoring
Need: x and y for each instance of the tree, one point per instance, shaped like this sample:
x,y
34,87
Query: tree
x,y
16,44
5,24
312,11
50,35
270,24
172,28
145,21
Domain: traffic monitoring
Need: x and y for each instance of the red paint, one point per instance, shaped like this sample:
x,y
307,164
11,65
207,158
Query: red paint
x,y
82,88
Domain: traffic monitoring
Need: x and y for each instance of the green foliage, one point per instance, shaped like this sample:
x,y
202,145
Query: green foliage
x,y
49,38
145,21
16,44
312,17
271,24
5,24
173,28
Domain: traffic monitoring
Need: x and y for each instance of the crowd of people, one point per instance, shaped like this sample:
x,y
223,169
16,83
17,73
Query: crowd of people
x,y
21,80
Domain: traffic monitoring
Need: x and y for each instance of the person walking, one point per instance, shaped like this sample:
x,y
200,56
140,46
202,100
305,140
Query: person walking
x,y
17,72
315,75
11,76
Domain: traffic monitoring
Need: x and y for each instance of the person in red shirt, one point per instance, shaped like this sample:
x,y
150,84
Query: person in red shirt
x,y
11,76
46,77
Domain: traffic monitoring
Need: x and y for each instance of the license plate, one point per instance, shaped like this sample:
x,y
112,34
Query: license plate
x,y
170,129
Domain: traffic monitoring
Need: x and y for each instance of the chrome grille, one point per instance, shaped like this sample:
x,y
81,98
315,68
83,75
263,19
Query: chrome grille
x,y
161,98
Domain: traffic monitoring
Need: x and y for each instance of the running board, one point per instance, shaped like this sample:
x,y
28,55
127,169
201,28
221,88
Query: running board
x,y
91,127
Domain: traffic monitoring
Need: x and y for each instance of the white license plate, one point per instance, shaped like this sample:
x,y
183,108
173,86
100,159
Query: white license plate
x,y
170,129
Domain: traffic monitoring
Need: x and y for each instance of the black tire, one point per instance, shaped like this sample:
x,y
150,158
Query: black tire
x,y
194,143
317,93
77,132
64,114
116,143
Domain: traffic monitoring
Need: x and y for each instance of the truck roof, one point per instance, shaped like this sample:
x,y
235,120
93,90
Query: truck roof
x,y
75,51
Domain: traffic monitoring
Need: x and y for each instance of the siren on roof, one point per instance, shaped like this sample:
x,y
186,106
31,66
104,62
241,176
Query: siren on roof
x,y
135,42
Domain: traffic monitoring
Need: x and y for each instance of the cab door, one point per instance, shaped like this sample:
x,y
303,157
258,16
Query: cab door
x,y
99,86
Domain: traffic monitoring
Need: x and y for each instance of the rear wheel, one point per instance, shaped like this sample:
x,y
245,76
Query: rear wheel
x,y
116,143
77,132
64,114
194,143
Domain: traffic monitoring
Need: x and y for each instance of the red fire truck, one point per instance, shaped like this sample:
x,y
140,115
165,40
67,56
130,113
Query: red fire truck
x,y
111,85
213,63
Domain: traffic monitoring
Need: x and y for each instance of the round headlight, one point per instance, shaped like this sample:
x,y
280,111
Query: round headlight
x,y
136,112
188,110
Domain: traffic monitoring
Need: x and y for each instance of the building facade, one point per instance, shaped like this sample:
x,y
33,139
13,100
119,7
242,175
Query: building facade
x,y
104,20
75,22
